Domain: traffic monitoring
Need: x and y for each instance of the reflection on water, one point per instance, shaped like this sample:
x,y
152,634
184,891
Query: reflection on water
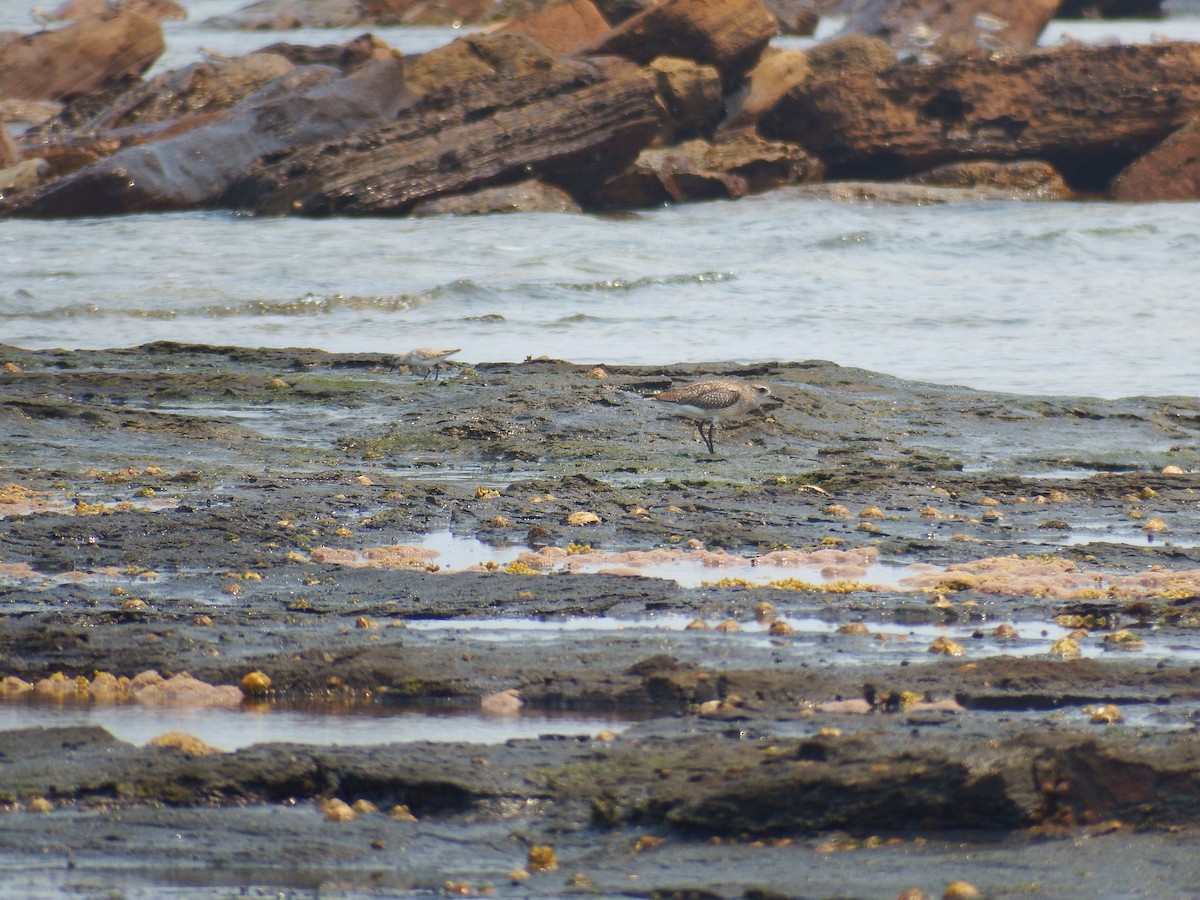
x,y
231,729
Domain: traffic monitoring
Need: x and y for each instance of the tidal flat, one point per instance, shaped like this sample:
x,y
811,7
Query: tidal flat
x,y
926,633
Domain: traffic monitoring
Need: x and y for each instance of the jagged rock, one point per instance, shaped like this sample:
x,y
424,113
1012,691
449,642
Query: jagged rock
x,y
526,196
155,9
727,34
1121,100
690,94
307,105
79,58
777,72
1170,171
1021,179
698,170
561,28
939,27
568,126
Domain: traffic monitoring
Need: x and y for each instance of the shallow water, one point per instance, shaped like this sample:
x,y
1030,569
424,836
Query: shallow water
x,y
1044,298
232,729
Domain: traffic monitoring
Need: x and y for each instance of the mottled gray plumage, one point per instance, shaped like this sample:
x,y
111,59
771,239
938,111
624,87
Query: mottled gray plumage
x,y
427,359
715,401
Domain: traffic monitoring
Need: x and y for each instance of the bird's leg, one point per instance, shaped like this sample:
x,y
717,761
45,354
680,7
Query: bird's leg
x,y
708,438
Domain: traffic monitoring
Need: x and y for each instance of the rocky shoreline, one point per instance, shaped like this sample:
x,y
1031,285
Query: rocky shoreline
x,y
166,510
592,106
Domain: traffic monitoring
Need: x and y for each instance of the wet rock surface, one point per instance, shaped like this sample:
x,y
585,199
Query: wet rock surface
x,y
166,510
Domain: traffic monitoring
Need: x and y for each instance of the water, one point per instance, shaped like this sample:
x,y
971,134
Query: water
x,y
1064,298
233,729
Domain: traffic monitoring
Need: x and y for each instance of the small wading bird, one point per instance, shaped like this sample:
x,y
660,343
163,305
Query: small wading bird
x,y
711,402
426,359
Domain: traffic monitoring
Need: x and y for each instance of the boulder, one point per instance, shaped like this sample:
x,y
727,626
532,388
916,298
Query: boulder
x,y
310,104
1086,110
690,94
79,58
777,72
561,28
347,56
524,196
939,27
568,126
851,52
698,170
726,34
154,9
1023,179
1170,171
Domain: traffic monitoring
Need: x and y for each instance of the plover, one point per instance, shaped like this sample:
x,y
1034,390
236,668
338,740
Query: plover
x,y
427,359
711,402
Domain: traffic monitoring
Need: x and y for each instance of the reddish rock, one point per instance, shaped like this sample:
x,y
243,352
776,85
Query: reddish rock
x,y
154,9
698,170
1087,110
953,26
308,105
348,56
79,58
563,27
727,34
482,56
525,196
23,176
1170,171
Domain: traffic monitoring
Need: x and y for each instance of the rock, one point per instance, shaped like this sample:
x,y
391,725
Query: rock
x,y
563,27
851,52
307,105
1170,171
79,58
480,57
22,176
28,112
154,9
777,72
794,17
568,127
1021,179
931,26
698,170
1122,101
727,34
525,196
691,95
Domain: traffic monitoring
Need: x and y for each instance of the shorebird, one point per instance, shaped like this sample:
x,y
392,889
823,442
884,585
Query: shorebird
x,y
426,358
711,402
